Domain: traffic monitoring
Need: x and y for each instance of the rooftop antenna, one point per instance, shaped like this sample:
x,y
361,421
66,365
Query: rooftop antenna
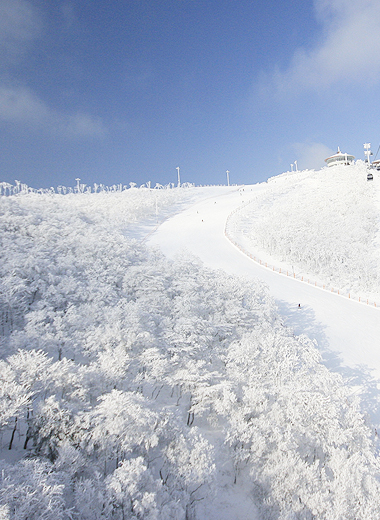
x,y
367,152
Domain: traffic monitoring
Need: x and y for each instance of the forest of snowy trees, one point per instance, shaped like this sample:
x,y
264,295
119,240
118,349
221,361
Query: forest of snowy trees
x,y
134,387
321,223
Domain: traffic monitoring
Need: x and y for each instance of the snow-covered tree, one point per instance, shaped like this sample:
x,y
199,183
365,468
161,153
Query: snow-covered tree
x,y
31,489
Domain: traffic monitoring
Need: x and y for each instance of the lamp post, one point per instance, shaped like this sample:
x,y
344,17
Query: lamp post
x,y
228,177
367,152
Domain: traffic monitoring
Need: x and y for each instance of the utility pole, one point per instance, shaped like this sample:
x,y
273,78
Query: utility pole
x,y
228,177
179,178
367,152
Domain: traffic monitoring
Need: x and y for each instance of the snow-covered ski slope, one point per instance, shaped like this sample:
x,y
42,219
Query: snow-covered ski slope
x,y
347,332
131,379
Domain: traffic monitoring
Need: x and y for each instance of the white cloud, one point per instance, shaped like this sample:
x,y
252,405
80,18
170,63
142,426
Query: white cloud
x,y
311,156
348,51
20,24
81,124
20,106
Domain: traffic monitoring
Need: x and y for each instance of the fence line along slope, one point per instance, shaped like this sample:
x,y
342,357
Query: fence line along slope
x,y
322,225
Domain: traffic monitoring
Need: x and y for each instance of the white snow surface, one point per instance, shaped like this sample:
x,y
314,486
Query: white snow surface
x,y
261,224
347,332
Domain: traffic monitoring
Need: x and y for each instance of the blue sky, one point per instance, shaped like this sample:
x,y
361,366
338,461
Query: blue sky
x,y
127,90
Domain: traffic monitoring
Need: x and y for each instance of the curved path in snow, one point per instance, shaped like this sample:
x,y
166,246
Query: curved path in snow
x,y
347,332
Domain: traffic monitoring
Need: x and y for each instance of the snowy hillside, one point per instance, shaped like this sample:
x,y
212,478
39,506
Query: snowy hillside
x,y
323,224
138,387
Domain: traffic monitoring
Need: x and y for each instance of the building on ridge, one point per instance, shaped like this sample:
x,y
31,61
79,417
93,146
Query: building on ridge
x,y
376,164
339,158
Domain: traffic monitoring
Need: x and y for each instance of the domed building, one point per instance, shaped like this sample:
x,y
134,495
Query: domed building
x,y
339,158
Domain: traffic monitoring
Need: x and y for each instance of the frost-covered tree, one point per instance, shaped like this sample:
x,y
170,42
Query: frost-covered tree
x,y
31,489
121,423
132,491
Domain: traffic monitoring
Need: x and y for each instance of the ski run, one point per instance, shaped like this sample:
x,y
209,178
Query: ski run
x,y
192,353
